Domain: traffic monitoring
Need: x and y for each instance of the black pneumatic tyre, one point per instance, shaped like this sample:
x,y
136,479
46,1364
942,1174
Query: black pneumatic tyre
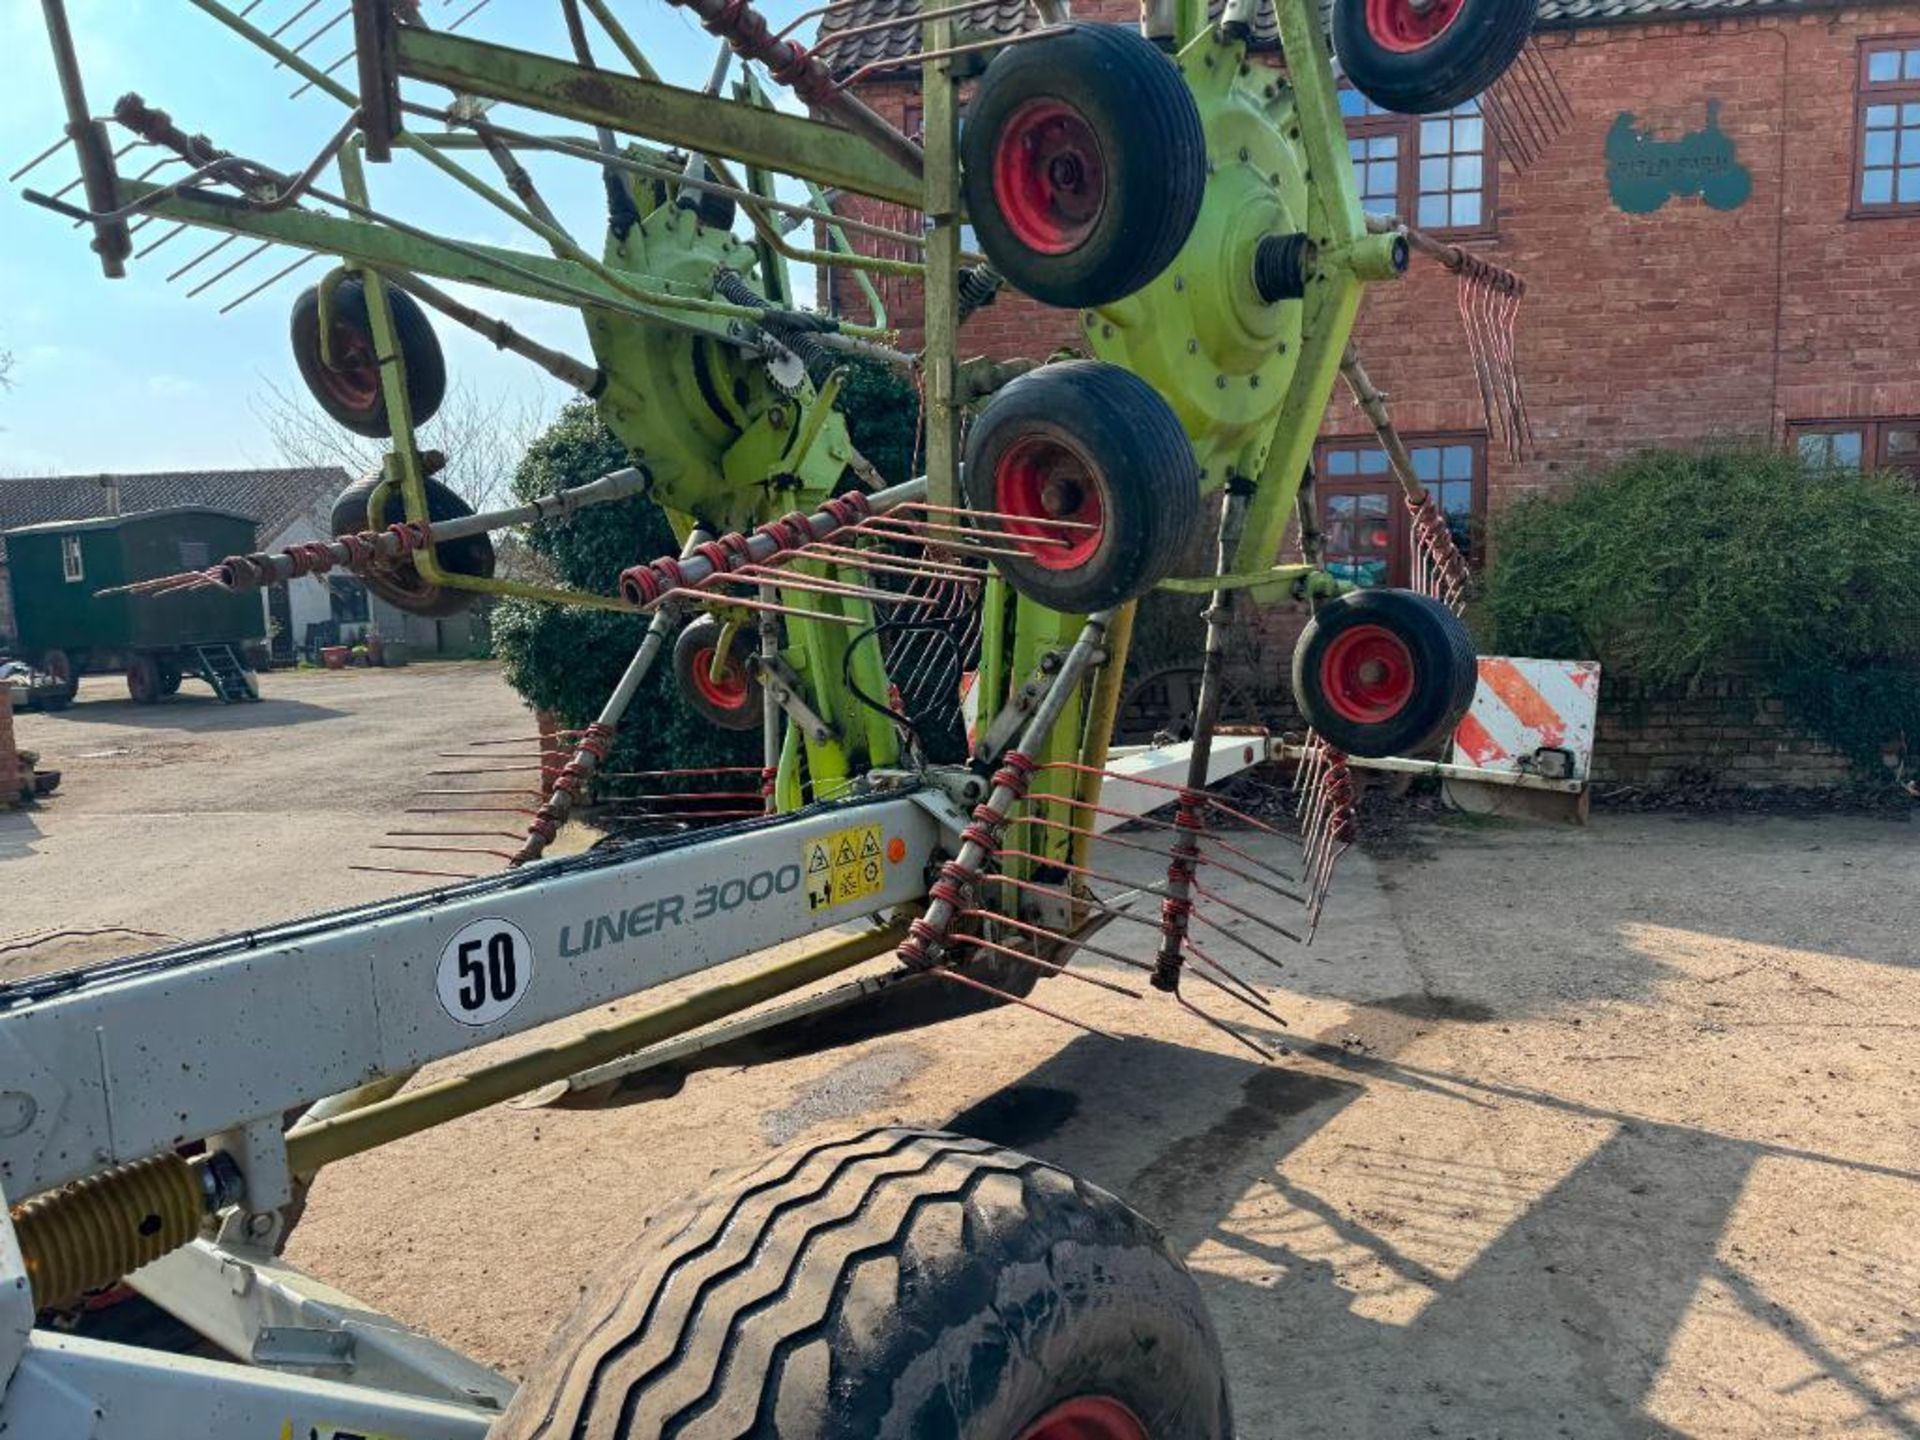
x,y
398,582
1083,164
351,393
1384,672
1416,60
1097,448
733,701
898,1285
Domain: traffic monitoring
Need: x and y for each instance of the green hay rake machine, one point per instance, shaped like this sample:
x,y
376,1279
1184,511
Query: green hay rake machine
x,y
160,1115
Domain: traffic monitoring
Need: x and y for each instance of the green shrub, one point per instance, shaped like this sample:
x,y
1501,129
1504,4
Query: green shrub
x,y
568,659
1675,566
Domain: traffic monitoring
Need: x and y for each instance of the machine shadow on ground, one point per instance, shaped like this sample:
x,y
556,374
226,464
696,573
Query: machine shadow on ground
x,y
1559,1324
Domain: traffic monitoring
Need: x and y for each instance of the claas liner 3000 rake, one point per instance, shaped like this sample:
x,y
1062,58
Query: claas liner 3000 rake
x,y
161,1115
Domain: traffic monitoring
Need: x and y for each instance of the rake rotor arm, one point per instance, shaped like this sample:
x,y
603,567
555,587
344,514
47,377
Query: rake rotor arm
x,y
653,110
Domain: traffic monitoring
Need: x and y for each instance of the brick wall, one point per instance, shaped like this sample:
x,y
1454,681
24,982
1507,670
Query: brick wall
x,y
1642,329
1727,735
1638,330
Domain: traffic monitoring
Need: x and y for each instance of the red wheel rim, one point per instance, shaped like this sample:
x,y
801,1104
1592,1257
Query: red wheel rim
x,y
354,377
1090,1417
1367,674
1037,480
1408,25
1049,176
143,680
729,692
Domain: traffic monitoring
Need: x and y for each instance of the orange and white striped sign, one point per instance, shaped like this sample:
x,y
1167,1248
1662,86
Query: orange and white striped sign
x,y
1521,706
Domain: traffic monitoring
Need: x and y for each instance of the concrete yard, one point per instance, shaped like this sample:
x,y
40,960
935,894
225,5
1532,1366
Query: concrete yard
x,y
1591,1133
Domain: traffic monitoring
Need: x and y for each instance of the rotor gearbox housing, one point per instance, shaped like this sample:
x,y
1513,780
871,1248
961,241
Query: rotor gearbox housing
x,y
1201,332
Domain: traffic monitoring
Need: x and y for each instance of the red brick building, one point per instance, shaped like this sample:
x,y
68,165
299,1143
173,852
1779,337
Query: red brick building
x,y
1793,314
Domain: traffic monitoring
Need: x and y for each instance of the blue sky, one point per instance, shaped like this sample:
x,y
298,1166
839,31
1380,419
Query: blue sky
x,y
133,374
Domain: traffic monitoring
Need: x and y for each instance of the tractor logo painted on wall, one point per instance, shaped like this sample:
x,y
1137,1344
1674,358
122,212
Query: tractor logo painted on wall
x,y
1644,171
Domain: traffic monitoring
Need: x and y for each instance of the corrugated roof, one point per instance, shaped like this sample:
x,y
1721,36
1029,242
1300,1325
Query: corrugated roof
x,y
1010,17
276,498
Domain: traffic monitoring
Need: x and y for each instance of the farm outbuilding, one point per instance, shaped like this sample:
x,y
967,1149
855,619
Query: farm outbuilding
x,y
291,506
58,571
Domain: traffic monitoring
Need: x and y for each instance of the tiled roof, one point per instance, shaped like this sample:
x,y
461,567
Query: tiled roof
x,y
276,498
1009,17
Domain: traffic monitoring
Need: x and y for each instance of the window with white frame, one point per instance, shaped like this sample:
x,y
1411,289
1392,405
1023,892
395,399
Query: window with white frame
x,y
72,568
1434,170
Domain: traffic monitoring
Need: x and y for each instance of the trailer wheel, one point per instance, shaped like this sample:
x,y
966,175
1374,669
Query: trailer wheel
x,y
902,1283
65,672
398,582
143,679
730,700
170,677
1384,672
1416,58
349,390
1095,447
1084,161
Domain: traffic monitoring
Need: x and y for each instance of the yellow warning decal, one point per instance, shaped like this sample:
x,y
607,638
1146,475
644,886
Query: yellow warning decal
x,y
842,867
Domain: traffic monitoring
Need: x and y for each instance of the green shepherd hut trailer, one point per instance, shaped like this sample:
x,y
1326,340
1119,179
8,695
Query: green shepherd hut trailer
x,y
66,628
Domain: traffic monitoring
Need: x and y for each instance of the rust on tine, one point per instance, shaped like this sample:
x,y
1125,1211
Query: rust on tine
x,y
450,834
429,874
1240,987
522,792
1055,521
1035,1006
1212,837
760,770
958,547
1224,1028
1206,797
1201,975
915,565
707,597
1093,902
1242,911
756,575
969,532
465,810
1051,967
447,850
1041,932
496,770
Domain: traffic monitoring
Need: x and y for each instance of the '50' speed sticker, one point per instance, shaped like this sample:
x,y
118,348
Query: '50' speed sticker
x,y
485,969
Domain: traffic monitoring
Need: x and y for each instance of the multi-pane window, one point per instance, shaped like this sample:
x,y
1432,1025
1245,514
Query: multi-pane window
x,y
1887,179
1434,170
1859,444
71,566
1366,538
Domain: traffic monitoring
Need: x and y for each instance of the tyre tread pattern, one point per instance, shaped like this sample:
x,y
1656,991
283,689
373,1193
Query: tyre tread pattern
x,y
879,1286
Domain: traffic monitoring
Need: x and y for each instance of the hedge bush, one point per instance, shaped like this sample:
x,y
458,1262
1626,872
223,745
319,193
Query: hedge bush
x,y
568,660
1675,566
